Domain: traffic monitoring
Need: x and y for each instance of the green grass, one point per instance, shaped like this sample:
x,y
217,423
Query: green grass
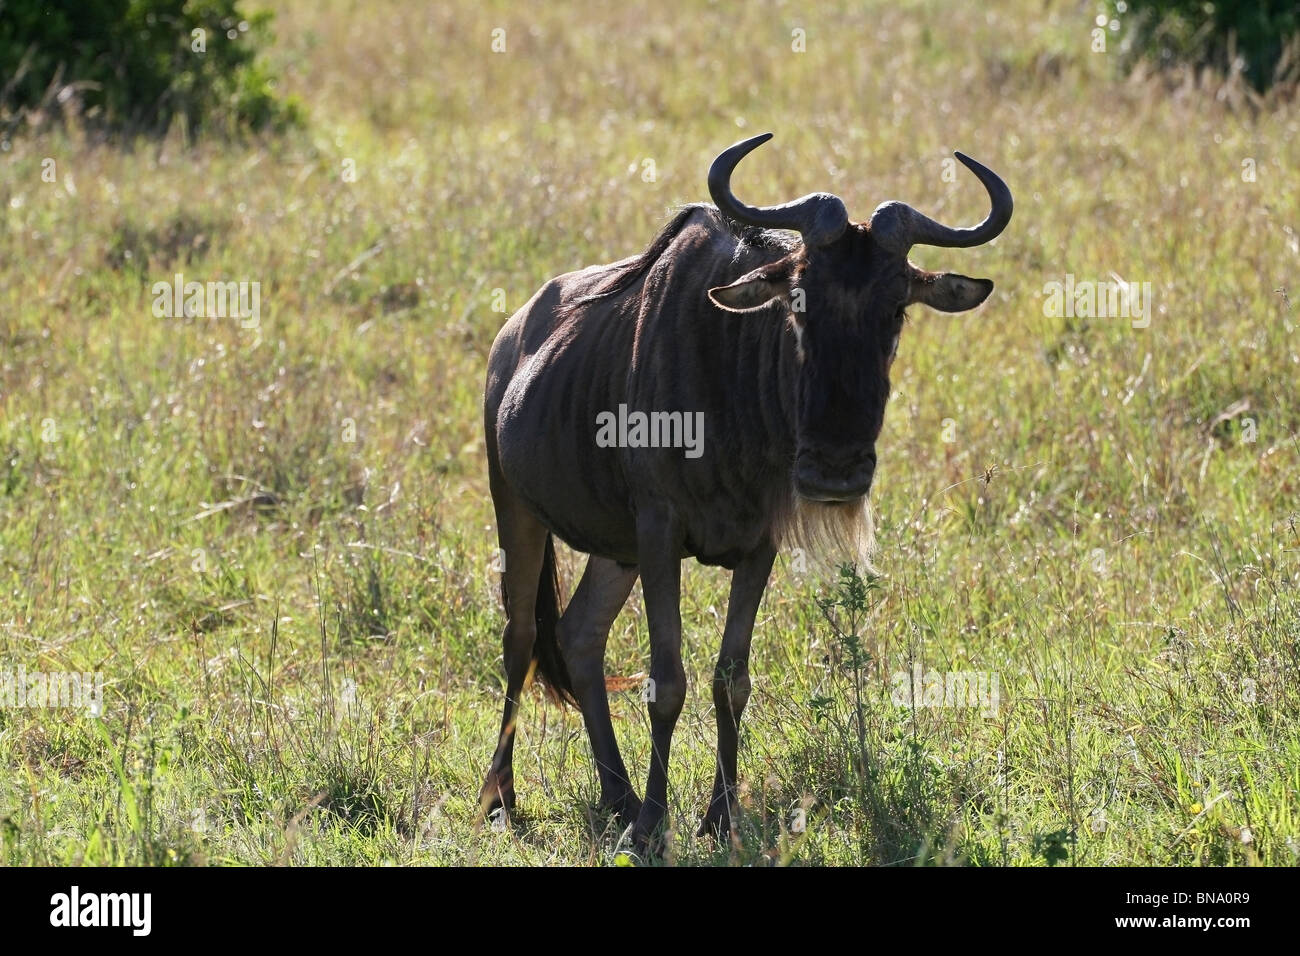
x,y
299,634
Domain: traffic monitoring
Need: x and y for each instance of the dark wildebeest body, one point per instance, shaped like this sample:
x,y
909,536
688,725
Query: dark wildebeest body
x,y
559,368
785,347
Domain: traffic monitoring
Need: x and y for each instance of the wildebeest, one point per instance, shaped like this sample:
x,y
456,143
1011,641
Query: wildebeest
x,y
785,346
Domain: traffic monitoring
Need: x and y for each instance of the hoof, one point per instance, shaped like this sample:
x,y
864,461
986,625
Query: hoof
x,y
648,836
497,798
626,808
716,823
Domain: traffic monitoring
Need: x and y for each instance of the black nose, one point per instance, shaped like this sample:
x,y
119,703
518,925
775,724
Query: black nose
x,y
819,476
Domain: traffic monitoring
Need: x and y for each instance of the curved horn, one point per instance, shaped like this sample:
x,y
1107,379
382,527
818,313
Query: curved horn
x,y
897,226
819,217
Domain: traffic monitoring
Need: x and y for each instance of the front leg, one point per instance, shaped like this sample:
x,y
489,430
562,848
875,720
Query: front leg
x,y
731,684
659,540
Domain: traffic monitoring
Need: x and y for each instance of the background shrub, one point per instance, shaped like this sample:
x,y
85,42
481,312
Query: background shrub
x,y
137,64
1247,36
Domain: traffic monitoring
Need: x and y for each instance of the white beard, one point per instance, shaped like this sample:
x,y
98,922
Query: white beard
x,y
831,534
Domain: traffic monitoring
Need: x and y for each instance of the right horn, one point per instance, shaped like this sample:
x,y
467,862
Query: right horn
x,y
898,227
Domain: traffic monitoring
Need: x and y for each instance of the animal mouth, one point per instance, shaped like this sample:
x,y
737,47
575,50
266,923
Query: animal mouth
x,y
830,497
832,491
815,483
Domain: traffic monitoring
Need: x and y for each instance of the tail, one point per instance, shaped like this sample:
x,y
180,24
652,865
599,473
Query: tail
x,y
547,660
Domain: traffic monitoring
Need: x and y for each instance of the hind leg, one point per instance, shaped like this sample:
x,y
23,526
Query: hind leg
x,y
523,540
583,633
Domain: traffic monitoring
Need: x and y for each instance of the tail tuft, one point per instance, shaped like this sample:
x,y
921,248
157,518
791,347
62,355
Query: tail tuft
x,y
550,667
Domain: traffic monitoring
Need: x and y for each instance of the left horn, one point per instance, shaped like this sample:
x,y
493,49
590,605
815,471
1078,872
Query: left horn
x,y
819,217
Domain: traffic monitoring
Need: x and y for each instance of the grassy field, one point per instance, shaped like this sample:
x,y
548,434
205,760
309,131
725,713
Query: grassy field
x,y
276,543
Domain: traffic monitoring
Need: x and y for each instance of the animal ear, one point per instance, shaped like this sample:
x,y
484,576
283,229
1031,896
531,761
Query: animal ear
x,y
948,291
754,290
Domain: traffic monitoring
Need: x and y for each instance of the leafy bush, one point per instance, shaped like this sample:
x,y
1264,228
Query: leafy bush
x,y
137,64
1251,37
